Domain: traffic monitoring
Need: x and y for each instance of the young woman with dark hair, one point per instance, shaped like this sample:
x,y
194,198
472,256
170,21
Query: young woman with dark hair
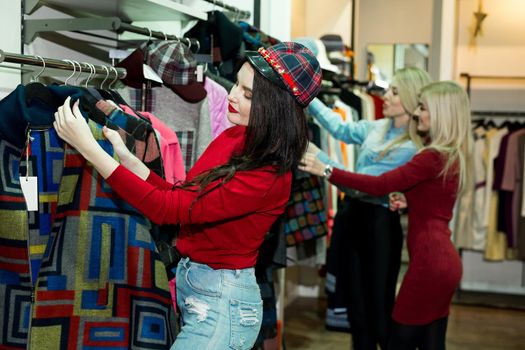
x,y
231,197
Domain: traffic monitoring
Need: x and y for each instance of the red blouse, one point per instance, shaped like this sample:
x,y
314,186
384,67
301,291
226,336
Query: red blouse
x,y
225,227
435,268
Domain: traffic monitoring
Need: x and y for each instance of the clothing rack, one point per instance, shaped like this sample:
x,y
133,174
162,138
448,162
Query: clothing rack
x,y
500,114
34,26
105,71
469,78
241,14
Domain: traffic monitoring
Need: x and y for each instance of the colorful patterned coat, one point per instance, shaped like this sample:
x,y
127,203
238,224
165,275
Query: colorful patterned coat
x,y
82,271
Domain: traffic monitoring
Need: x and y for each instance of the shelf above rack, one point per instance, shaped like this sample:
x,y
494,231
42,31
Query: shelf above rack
x,y
127,10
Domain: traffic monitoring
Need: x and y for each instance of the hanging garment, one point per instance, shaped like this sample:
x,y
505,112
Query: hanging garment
x,y
170,147
218,106
82,271
305,217
496,246
520,237
190,121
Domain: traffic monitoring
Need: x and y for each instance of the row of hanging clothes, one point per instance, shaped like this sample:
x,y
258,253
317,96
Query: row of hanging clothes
x,y
491,214
353,101
81,267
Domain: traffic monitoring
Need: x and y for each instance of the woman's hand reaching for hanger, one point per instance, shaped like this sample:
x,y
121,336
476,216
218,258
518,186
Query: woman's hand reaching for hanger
x,y
311,164
72,127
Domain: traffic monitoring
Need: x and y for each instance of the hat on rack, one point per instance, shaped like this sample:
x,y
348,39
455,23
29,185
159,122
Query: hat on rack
x,y
176,66
291,66
318,49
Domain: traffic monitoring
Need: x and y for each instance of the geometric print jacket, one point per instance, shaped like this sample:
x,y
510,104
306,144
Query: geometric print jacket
x,y
82,272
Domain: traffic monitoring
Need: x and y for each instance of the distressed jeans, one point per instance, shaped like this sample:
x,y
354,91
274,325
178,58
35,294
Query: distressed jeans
x,y
220,309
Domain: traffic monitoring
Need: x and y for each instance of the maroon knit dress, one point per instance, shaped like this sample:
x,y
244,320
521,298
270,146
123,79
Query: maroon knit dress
x,y
435,267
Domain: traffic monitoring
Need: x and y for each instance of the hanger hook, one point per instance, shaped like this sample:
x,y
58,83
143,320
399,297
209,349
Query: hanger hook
x,y
165,36
198,45
35,78
106,78
89,76
189,43
116,77
74,71
79,72
150,34
94,71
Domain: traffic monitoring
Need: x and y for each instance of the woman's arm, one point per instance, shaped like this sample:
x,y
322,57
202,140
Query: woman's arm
x,y
245,193
425,165
346,131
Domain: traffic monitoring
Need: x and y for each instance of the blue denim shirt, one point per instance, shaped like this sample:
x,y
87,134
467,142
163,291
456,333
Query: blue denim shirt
x,y
372,136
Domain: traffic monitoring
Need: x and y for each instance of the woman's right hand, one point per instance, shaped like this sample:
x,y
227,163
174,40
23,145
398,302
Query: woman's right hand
x,y
397,201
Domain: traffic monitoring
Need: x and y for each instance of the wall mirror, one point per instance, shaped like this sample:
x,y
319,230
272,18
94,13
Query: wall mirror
x,y
384,59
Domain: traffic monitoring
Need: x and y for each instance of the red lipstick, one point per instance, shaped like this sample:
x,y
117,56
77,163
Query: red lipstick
x,y
231,109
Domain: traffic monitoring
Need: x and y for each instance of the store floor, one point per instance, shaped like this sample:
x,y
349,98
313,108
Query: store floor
x,y
470,327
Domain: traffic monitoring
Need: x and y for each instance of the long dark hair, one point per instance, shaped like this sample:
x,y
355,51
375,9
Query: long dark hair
x,y
276,135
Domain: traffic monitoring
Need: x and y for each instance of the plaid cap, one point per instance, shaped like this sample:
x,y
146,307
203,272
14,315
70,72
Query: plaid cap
x,y
172,61
292,65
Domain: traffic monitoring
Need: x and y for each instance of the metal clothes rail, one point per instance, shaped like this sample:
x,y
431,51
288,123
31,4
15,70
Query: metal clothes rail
x,y
469,78
241,14
101,70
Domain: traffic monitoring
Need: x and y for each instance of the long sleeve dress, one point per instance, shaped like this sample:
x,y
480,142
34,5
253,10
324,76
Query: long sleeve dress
x,y
435,267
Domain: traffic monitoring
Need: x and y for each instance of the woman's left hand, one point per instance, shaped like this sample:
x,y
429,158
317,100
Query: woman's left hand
x,y
72,127
311,164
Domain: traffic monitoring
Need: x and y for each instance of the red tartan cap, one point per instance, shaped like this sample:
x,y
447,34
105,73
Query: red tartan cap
x,y
292,66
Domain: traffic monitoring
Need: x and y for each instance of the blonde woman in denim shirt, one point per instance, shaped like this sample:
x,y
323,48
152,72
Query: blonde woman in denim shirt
x,y
374,232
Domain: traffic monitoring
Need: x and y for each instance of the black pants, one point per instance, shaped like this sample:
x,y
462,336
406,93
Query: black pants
x,y
427,337
373,260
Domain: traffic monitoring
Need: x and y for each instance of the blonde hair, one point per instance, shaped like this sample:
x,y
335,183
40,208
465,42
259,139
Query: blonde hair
x,y
450,126
409,82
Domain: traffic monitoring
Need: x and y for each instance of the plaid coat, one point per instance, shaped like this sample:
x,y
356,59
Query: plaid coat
x,y
82,271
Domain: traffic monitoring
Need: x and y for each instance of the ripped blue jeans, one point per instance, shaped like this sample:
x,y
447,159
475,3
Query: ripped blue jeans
x,y
220,309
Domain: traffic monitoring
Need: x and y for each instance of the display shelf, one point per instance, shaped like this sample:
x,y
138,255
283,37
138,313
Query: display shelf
x,y
127,10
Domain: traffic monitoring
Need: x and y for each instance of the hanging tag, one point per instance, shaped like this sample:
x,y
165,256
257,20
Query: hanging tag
x,y
200,73
118,54
29,186
150,74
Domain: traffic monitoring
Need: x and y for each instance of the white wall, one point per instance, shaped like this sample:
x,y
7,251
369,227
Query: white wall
x,y
500,51
314,18
501,48
390,22
276,18
10,41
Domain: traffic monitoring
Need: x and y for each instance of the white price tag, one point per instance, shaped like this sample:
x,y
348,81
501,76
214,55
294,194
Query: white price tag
x,y
150,74
200,73
30,188
119,54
